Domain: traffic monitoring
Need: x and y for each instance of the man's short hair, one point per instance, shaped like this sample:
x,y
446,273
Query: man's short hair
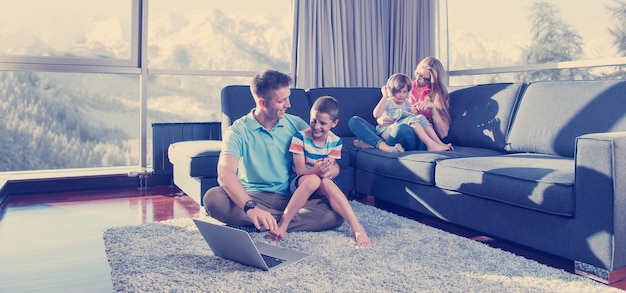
x,y
266,82
327,105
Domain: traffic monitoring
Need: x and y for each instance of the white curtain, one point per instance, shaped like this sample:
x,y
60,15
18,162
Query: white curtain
x,y
359,42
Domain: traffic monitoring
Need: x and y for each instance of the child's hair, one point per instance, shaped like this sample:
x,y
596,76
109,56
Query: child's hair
x,y
438,92
327,105
397,82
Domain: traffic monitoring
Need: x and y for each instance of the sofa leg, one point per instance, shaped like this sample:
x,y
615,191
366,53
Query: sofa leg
x,y
598,274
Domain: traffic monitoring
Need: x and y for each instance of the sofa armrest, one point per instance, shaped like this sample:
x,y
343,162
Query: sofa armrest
x,y
601,199
198,158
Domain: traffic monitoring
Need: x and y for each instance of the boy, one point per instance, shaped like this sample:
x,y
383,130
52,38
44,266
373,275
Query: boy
x,y
313,148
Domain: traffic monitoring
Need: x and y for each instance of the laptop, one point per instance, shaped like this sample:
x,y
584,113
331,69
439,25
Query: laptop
x,y
237,245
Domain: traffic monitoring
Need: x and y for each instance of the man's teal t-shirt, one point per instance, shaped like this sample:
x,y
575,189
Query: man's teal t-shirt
x,y
265,163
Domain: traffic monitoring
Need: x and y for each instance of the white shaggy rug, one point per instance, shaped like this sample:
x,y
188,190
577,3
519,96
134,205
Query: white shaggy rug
x,y
405,256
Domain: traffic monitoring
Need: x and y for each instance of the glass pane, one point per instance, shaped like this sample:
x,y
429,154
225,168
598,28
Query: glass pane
x,y
244,35
66,28
174,98
68,120
495,33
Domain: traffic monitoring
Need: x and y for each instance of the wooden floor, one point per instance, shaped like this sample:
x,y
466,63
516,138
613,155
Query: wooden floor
x,y
53,242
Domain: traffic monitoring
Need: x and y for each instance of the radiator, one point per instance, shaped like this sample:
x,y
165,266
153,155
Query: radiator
x,y
164,134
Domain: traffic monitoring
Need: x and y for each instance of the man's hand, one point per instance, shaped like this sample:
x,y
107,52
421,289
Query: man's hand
x,y
261,217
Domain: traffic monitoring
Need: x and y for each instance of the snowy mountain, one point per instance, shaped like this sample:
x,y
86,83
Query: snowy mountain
x,y
216,42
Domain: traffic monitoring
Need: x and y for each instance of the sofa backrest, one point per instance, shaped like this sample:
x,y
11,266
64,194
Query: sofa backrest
x,y
237,101
552,114
481,114
352,101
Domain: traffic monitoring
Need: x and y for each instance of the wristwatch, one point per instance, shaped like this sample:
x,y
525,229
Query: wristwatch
x,y
249,205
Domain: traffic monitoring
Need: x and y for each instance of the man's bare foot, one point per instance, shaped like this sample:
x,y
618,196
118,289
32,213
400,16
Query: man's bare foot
x,y
361,239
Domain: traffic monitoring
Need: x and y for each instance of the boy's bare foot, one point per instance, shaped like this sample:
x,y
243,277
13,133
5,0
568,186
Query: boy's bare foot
x,y
279,233
361,239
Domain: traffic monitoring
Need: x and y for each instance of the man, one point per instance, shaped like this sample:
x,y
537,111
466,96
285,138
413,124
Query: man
x,y
255,166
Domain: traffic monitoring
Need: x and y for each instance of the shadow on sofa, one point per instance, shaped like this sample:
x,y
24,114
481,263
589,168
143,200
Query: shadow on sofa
x,y
477,116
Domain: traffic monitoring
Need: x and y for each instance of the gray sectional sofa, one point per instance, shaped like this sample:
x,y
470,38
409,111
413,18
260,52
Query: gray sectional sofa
x,y
540,164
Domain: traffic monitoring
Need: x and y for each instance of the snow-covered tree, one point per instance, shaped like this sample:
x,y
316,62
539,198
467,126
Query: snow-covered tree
x,y
618,32
553,40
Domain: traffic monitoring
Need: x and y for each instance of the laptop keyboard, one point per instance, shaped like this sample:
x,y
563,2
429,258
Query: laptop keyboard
x,y
272,261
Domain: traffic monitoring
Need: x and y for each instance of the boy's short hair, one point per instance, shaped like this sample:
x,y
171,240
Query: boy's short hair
x,y
266,82
327,105
398,81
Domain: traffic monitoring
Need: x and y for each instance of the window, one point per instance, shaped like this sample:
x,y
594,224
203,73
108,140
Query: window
x,y
493,41
74,94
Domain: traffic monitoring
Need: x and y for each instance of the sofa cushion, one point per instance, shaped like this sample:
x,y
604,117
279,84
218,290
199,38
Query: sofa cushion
x,y
352,101
237,101
481,115
414,166
552,114
533,181
198,158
